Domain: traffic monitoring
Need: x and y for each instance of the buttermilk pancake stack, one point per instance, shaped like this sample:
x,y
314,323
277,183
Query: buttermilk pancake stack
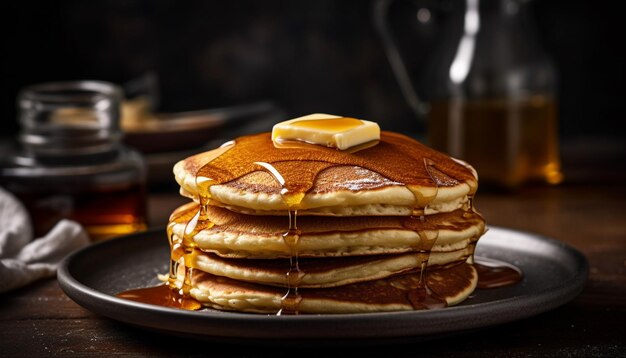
x,y
326,214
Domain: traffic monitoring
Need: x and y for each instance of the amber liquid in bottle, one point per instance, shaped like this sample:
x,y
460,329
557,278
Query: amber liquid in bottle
x,y
509,142
104,212
68,161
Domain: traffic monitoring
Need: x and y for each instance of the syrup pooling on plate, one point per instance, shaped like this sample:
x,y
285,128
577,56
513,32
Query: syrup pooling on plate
x,y
494,273
162,295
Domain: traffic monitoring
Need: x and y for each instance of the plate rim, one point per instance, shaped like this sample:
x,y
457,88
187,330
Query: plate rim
x,y
230,324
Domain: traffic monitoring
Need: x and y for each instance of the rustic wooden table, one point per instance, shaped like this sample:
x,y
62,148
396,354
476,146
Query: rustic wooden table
x,y
588,212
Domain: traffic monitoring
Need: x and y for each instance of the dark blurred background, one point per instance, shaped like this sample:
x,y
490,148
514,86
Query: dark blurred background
x,y
306,56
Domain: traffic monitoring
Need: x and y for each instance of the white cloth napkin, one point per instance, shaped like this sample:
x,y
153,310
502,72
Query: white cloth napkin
x,y
24,260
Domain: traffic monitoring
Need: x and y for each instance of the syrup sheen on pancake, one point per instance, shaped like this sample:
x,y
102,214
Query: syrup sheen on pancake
x,y
396,157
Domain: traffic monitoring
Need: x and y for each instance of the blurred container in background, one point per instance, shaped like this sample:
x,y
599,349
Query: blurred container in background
x,y
69,161
490,89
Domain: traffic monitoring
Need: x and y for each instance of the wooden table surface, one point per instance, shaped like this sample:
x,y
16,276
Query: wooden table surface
x,y
587,212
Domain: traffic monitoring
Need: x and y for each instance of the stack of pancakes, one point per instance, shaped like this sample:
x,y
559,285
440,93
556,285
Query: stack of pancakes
x,y
310,229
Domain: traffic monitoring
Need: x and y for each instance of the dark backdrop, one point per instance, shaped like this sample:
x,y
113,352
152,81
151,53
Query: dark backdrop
x,y
307,56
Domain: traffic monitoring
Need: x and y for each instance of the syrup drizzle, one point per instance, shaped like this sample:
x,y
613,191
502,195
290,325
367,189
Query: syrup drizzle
x,y
182,249
171,293
295,168
395,157
420,295
290,302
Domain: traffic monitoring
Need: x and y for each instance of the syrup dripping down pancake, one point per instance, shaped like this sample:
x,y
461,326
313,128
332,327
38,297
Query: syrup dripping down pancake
x,y
454,284
325,272
259,207
399,173
237,235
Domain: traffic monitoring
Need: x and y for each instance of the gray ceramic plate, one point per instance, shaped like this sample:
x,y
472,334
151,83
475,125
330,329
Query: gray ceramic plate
x,y
554,274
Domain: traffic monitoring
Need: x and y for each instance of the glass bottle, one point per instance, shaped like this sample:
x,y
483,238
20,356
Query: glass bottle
x,y
491,92
69,161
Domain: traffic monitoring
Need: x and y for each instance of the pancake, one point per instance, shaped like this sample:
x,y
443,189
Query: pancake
x,y
453,285
327,272
337,191
237,235
303,228
397,175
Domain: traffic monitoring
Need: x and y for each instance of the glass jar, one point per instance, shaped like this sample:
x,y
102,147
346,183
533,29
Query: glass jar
x,y
489,89
69,161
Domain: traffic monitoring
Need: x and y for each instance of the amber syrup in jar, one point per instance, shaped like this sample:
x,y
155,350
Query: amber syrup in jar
x,y
509,142
69,162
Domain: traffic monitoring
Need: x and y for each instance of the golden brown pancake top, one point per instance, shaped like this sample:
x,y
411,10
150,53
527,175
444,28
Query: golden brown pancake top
x,y
396,157
329,180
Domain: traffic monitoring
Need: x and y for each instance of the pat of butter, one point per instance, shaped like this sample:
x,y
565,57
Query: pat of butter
x,y
327,130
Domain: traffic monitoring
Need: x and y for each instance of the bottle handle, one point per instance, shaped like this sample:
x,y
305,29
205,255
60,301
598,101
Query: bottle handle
x,y
380,9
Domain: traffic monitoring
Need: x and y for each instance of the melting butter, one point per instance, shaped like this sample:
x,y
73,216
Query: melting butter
x,y
326,130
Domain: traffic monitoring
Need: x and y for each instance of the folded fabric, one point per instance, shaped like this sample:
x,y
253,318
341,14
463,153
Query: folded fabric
x,y
24,260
